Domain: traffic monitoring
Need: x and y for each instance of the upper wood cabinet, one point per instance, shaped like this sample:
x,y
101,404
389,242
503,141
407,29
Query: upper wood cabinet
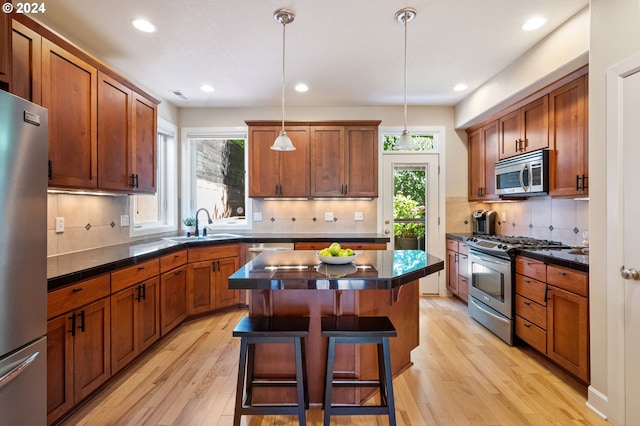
x,y
275,173
126,138
26,63
332,159
483,153
568,173
69,93
525,129
5,50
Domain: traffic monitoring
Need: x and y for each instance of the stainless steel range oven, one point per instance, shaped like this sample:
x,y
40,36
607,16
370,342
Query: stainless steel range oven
x,y
491,284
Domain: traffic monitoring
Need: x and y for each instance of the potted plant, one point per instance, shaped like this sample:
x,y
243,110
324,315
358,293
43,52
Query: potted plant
x,y
408,227
190,224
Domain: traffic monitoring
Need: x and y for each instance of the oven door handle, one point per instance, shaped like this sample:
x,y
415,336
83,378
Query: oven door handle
x,y
525,168
489,259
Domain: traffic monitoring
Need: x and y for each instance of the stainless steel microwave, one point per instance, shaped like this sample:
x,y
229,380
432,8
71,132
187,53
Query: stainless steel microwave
x,y
526,174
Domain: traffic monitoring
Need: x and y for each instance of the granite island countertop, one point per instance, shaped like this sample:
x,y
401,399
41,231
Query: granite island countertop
x,y
301,269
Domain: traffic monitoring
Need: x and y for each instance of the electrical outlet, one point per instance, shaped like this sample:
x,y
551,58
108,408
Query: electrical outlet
x,y
504,216
124,220
328,217
358,216
59,225
257,216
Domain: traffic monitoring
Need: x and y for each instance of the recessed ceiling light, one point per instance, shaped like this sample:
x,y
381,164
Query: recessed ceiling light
x,y
144,25
301,87
534,23
460,87
207,88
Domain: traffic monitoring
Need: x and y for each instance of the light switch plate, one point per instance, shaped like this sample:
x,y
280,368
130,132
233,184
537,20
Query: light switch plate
x,y
358,216
124,220
59,225
257,216
504,216
328,216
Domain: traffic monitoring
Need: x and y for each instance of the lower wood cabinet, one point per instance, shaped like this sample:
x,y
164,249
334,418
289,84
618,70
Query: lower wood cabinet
x,y
458,268
78,346
173,298
319,245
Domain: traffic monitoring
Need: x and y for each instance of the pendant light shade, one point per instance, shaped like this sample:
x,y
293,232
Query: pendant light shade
x,y
283,142
405,141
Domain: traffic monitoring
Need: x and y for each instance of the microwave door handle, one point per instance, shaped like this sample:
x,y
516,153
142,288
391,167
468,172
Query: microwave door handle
x,y
523,170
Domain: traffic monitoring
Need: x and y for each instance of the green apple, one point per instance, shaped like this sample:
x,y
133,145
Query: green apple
x,y
343,253
334,248
325,253
349,252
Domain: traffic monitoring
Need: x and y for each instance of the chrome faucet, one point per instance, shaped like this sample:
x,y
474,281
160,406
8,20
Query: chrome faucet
x,y
204,230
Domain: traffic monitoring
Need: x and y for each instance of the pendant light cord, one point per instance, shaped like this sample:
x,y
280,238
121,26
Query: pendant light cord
x,y
405,72
284,25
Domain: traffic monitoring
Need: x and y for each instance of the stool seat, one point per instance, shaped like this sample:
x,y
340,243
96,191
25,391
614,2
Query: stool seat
x,y
356,330
256,330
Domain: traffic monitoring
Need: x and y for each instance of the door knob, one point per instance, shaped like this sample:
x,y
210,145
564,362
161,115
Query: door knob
x,y
630,274
386,222
386,232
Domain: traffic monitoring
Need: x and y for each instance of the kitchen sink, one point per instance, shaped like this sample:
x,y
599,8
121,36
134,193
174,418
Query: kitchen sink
x,y
183,239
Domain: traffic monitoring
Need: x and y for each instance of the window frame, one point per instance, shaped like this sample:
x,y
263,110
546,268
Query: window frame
x,y
166,185
188,184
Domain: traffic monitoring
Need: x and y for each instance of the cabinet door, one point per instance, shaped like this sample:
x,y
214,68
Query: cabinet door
x,y
568,331
69,90
124,319
483,153
509,128
294,165
91,348
26,63
568,132
114,134
223,269
145,126
361,162
173,298
200,277
59,367
5,49
452,271
327,147
476,165
535,125
264,175
149,314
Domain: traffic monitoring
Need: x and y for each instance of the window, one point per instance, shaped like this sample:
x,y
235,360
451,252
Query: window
x,y
425,142
155,213
214,176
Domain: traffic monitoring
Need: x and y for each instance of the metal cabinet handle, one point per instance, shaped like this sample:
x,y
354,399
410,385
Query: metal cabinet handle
x,y
75,290
527,325
73,324
527,303
630,274
562,273
82,324
50,170
15,372
178,271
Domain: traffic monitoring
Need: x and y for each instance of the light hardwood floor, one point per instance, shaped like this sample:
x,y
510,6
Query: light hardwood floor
x,y
462,375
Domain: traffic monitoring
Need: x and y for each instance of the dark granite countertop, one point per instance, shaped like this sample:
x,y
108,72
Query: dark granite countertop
x,y
68,268
301,269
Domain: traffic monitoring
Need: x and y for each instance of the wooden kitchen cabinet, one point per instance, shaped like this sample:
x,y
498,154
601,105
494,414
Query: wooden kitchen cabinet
x,y
483,153
69,91
568,130
126,138
78,343
525,129
5,50
173,290
319,245
207,278
26,63
344,161
276,173
458,268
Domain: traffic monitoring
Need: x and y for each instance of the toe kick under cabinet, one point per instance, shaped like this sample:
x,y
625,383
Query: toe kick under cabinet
x,y
552,313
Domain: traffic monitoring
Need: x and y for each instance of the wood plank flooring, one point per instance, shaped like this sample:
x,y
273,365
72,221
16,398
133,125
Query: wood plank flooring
x,y
462,375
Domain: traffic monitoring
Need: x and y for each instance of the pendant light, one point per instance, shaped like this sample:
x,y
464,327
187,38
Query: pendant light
x,y
405,141
283,142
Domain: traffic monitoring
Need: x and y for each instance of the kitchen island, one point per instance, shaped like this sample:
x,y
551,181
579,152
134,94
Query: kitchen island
x,y
377,283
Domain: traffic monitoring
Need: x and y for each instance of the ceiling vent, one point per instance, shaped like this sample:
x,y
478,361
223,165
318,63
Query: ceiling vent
x,y
179,94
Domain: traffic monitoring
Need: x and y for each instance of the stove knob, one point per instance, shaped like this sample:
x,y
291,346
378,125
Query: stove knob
x,y
499,246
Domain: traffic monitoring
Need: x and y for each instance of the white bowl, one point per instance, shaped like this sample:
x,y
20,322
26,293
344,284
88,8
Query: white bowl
x,y
337,260
336,271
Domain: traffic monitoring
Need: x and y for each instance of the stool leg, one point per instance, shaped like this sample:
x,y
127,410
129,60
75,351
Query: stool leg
x,y
304,375
328,386
389,381
300,382
382,379
251,350
237,414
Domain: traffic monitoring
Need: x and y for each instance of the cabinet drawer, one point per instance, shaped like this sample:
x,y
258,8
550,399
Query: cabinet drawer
x,y
126,277
452,245
531,289
463,248
532,334
198,254
173,260
531,311
311,245
463,288
531,268
69,298
567,279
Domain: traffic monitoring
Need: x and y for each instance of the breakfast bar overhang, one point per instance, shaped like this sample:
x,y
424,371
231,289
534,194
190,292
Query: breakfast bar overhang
x,y
296,283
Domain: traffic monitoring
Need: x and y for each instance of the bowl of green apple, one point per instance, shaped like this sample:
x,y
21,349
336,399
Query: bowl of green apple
x,y
336,255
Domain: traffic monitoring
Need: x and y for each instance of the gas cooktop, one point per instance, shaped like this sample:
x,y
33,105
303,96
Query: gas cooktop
x,y
502,243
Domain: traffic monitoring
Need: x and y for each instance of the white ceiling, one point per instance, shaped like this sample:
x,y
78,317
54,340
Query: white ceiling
x,y
349,52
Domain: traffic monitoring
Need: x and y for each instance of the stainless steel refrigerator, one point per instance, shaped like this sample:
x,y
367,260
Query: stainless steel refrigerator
x,y
23,262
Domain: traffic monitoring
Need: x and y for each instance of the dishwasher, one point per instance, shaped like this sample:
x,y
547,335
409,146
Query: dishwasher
x,y
254,249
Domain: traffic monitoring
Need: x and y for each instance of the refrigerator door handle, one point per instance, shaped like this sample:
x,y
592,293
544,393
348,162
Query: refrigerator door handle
x,y
15,372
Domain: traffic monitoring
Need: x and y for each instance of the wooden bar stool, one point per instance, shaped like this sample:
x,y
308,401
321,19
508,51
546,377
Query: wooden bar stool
x,y
255,330
354,329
